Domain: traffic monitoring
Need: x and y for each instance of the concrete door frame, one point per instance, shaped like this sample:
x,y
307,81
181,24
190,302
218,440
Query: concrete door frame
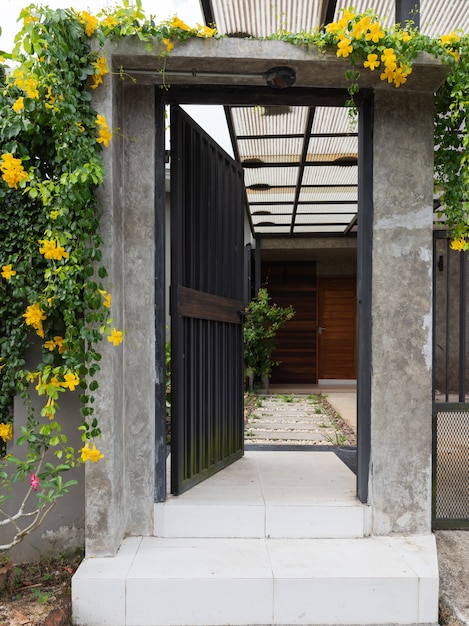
x,y
120,489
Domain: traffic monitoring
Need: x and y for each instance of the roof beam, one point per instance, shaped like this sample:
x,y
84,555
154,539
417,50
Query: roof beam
x,y
296,136
252,163
301,169
238,95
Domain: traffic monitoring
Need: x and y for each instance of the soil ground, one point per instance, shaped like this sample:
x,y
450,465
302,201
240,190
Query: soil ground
x,y
39,593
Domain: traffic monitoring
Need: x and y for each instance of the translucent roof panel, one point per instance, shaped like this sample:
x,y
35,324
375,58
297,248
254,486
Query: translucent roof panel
x,y
259,18
328,209
278,176
302,180
263,121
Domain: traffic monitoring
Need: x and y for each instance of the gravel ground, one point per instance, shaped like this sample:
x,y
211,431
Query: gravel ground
x,y
294,419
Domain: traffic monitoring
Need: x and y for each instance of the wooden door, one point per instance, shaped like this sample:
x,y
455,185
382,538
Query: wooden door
x,y
337,305
207,259
294,283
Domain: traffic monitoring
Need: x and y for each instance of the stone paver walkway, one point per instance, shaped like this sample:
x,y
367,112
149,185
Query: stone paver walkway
x,y
291,419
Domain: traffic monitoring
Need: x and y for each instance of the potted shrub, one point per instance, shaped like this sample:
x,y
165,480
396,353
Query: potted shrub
x,y
263,321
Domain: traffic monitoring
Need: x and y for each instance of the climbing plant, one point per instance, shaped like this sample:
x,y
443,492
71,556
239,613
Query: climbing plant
x,y
55,299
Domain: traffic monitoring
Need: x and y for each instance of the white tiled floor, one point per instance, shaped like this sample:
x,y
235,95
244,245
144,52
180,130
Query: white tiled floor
x,y
211,582
285,546
276,494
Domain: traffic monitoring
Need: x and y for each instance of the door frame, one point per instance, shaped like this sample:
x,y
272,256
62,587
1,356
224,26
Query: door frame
x,y
181,94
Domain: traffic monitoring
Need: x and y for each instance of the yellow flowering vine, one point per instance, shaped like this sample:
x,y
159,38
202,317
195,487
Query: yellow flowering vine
x,y
53,290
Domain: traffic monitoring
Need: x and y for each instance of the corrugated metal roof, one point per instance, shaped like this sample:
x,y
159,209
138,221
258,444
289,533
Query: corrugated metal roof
x,y
300,163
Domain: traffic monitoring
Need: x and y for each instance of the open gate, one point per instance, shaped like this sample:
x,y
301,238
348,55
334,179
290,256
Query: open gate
x,y
207,309
450,406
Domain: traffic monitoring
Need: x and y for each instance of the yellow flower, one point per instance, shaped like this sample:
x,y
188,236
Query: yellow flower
x,y
30,19
105,134
49,409
388,57
405,36
18,105
34,317
6,431
53,250
30,86
89,21
450,39
8,272
374,33
333,27
101,69
71,380
345,19
80,127
177,23
168,44
109,22
31,376
388,74
51,99
55,214
399,76
359,28
344,48
93,455
12,170
101,65
458,244
115,337
97,80
372,61
107,298
206,31
58,342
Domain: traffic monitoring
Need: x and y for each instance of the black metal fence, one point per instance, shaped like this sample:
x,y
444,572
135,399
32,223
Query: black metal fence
x,y
450,404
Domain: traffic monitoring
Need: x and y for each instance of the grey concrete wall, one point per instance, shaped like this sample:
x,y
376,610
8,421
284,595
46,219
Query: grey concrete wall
x,y
63,528
119,489
401,403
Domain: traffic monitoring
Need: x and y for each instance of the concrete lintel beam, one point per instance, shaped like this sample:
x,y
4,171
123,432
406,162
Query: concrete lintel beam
x,y
245,61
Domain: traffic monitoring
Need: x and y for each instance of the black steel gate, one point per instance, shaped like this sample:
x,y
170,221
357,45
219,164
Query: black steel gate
x,y
207,255
450,406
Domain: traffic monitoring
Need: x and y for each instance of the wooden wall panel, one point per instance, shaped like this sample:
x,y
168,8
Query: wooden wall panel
x,y
294,283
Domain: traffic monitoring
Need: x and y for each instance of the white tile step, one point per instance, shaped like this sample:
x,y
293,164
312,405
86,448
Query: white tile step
x,y
217,582
269,494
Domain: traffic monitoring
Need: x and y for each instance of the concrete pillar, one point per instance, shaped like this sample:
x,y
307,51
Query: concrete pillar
x,y
401,385
119,489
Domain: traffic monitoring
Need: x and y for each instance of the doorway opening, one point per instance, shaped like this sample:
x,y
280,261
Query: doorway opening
x,y
200,440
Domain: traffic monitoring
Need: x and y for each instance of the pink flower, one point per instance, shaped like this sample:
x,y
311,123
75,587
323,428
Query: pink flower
x,y
34,481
